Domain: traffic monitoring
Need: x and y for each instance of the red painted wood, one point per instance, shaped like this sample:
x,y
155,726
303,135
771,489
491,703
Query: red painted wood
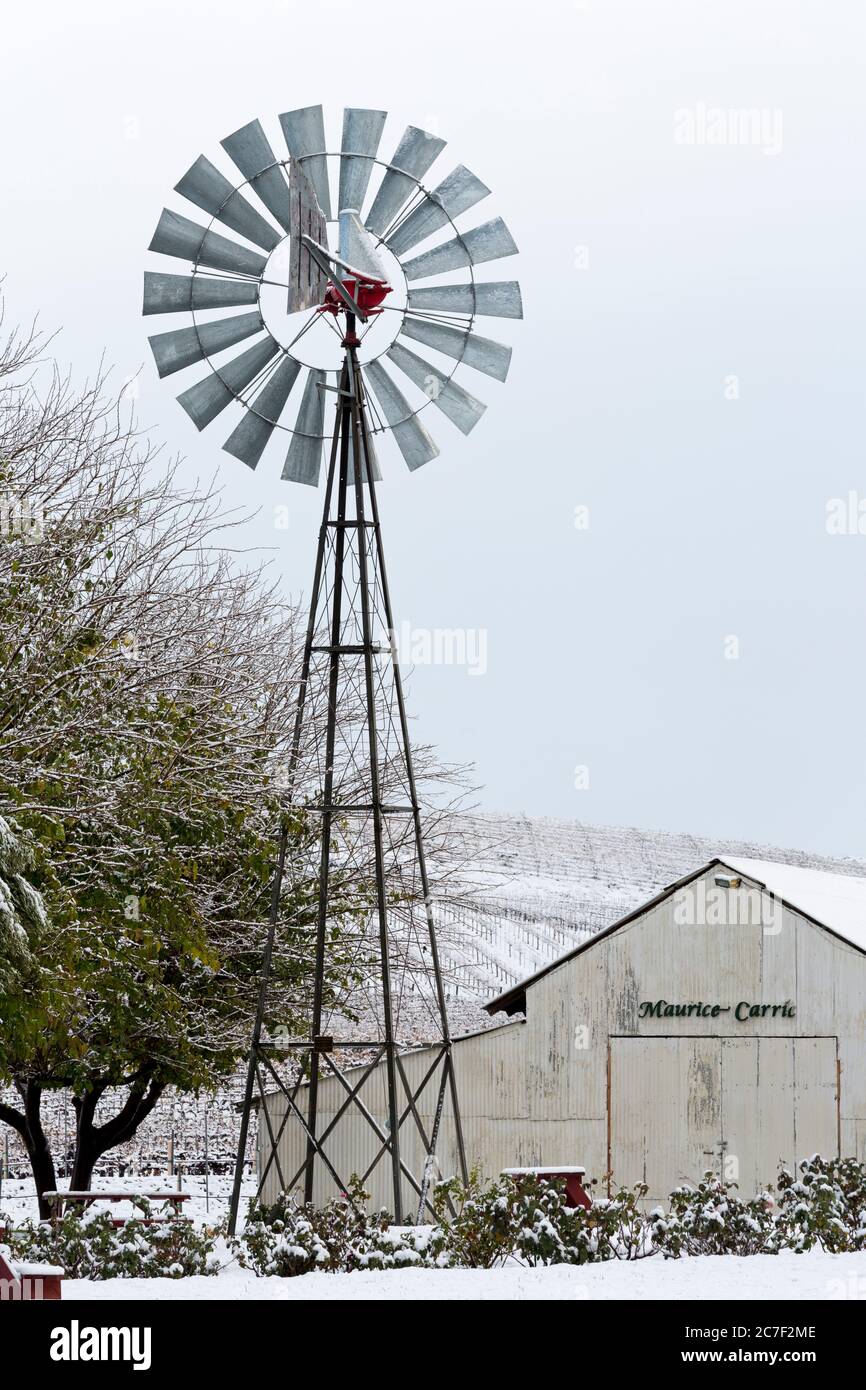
x,y
576,1194
28,1288
42,1288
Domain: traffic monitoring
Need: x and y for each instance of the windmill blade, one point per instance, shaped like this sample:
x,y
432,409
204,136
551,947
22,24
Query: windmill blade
x,y
305,136
249,437
362,131
373,458
204,401
178,236
498,299
374,461
250,151
459,192
174,351
462,409
304,459
484,354
413,441
485,243
172,294
204,185
410,161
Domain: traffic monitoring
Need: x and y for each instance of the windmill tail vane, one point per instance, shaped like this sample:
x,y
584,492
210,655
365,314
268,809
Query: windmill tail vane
x,y
351,764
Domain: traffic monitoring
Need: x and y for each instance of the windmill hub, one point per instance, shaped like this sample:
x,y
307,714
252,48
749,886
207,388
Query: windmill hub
x,y
367,294
315,345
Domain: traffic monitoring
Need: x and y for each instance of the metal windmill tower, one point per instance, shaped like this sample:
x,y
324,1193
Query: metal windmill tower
x,y
324,323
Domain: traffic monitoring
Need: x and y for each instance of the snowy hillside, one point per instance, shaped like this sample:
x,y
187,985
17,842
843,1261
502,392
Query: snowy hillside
x,y
548,885
538,888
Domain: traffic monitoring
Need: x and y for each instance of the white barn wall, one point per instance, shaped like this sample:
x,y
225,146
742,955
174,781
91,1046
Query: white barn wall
x,y
541,1091
494,1111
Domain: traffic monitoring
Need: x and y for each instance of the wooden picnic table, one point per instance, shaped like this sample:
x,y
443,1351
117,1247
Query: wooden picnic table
x,y
59,1200
573,1175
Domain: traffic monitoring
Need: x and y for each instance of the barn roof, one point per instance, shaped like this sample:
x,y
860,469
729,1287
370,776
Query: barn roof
x,y
836,902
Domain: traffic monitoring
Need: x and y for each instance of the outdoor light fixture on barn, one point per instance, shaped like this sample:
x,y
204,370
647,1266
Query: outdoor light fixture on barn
x,y
366,298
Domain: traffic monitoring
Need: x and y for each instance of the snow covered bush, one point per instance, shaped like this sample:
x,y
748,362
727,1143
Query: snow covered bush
x,y
711,1219
486,1224
618,1229
90,1246
477,1226
825,1206
288,1238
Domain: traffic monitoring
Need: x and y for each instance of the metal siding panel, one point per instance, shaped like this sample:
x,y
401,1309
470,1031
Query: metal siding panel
x,y
665,1111
816,1115
489,1077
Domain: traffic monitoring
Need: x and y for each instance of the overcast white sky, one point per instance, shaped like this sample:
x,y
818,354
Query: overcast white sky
x,y
654,272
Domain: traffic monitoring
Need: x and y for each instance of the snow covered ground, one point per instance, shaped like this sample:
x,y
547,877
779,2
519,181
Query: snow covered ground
x,y
807,1278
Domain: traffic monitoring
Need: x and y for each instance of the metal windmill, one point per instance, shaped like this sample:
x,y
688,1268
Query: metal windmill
x,y
312,313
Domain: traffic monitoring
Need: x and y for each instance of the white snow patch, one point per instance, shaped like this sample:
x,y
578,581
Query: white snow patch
x,y
815,1276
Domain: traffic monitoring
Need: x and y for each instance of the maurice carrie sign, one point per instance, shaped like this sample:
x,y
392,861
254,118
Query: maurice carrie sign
x,y
742,1011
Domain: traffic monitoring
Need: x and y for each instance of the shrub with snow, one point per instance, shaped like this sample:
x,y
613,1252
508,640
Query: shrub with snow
x,y
287,1238
825,1206
711,1219
88,1246
486,1224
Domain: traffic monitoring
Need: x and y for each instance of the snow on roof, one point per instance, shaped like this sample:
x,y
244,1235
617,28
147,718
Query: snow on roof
x,y
837,901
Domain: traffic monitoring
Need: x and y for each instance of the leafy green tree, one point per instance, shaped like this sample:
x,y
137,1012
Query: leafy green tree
x,y
146,713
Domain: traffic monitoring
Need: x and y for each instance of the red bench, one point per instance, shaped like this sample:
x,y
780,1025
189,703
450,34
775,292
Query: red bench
x,y
576,1194
28,1283
60,1201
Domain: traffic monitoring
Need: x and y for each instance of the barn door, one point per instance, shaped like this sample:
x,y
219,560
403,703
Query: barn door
x,y
779,1104
680,1106
665,1117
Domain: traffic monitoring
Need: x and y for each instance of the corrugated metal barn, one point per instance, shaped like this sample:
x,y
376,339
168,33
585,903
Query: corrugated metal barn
x,y
722,1026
